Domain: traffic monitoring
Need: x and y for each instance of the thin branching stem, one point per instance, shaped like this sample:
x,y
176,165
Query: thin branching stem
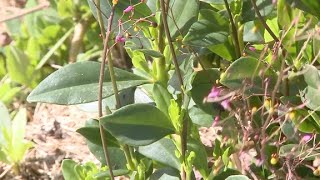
x,y
101,78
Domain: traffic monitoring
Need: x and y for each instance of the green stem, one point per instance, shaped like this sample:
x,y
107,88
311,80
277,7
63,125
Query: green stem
x,y
128,156
162,75
234,30
183,135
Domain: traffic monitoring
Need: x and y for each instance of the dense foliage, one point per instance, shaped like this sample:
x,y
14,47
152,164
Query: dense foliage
x,y
247,69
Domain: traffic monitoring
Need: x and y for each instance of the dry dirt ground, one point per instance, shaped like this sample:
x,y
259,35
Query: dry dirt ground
x,y
52,130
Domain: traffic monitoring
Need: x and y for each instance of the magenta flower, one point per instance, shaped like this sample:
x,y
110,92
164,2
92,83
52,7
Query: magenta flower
x,y
128,9
252,48
120,39
306,138
215,92
215,121
226,104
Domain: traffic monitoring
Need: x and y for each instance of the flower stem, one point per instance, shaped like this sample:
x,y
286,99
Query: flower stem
x,y
234,30
183,134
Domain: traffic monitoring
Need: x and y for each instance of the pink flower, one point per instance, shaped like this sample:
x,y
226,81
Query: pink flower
x,y
215,92
226,104
252,48
120,38
128,9
215,121
306,138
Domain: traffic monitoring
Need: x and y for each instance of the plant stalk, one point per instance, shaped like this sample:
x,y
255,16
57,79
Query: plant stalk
x,y
234,30
101,78
183,134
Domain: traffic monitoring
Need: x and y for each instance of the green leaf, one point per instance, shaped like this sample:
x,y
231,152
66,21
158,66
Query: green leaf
x,y
308,6
117,172
151,53
78,83
200,117
162,151
201,86
226,173
225,50
200,161
225,157
162,97
165,174
245,72
138,124
118,159
253,31
211,29
5,117
18,66
91,132
311,98
53,49
221,2
311,76
183,14
248,13
237,177
19,146
68,170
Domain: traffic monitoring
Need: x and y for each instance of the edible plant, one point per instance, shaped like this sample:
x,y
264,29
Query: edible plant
x,y
245,69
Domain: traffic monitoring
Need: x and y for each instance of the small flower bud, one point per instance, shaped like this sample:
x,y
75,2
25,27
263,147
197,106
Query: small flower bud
x,y
254,110
154,24
120,39
274,160
128,9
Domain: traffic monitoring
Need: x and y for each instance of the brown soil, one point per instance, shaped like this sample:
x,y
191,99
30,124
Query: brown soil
x,y
53,132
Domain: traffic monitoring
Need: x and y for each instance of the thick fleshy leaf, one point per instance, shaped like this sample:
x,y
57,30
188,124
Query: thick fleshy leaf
x,y
91,132
311,76
253,31
138,124
165,174
118,159
162,151
211,29
201,86
311,97
248,13
78,83
245,72
199,117
182,13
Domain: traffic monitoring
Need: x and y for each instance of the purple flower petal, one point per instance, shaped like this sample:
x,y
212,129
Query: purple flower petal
x,y
215,92
128,9
306,138
120,39
226,104
252,48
